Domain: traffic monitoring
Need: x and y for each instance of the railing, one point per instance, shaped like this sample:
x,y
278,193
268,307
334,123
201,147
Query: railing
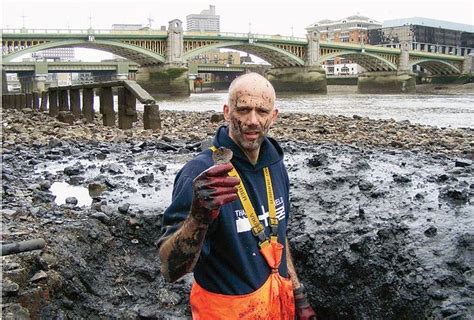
x,y
81,31
64,103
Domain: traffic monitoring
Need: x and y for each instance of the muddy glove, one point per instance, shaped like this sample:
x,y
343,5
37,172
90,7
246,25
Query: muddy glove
x,y
303,308
212,189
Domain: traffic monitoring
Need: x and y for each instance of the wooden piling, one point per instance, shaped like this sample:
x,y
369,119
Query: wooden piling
x,y
75,101
53,103
127,104
36,100
107,106
22,100
88,104
29,100
44,101
151,117
63,97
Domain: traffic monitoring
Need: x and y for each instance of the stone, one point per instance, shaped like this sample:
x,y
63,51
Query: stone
x,y
168,297
15,311
96,189
76,180
9,288
71,200
124,208
66,117
73,170
102,217
146,178
45,185
431,232
217,117
462,163
41,275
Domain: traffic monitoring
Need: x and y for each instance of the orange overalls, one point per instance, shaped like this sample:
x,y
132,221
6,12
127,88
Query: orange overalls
x,y
274,299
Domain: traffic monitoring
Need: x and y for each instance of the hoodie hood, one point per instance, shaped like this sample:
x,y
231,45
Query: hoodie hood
x,y
270,152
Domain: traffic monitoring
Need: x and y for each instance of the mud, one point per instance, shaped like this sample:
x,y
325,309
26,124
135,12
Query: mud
x,y
380,231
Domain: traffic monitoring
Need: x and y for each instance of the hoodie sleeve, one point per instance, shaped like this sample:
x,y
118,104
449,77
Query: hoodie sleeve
x,y
182,197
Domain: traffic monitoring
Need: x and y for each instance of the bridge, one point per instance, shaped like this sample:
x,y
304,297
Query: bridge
x,y
294,60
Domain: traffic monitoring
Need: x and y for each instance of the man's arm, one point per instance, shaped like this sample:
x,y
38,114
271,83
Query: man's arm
x,y
291,267
303,309
180,252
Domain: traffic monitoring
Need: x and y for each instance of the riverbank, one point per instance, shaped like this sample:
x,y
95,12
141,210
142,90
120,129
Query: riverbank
x,y
194,127
381,216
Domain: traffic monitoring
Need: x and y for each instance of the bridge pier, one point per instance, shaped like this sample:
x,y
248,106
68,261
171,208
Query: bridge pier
x,y
170,80
386,82
310,79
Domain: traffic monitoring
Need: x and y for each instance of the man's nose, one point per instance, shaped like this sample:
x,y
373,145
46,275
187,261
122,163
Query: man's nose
x,y
252,118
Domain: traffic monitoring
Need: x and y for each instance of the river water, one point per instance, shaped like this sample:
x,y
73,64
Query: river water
x,y
441,110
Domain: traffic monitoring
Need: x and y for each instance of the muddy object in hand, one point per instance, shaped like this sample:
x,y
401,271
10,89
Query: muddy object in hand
x,y
222,155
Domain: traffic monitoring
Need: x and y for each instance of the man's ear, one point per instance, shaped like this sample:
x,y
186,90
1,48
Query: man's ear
x,y
226,110
275,113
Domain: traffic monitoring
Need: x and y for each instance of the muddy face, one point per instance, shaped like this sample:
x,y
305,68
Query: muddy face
x,y
250,119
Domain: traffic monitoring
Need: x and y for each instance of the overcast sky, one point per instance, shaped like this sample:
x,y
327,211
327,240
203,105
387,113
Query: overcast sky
x,y
262,16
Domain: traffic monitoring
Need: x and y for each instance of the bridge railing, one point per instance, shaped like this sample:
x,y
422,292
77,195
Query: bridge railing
x,y
81,31
64,103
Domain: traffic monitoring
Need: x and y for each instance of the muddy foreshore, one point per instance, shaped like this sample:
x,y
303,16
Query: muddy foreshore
x,y
381,227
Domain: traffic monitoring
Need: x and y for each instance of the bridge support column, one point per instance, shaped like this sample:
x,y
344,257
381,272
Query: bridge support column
x,y
4,82
386,82
88,104
164,80
298,79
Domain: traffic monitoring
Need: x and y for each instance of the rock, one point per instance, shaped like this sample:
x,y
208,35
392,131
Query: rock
x,y
356,117
401,178
149,313
15,311
39,276
462,163
76,180
112,168
217,117
318,160
43,196
146,178
71,200
431,232
124,208
45,185
9,288
66,117
96,189
168,297
165,147
102,217
73,170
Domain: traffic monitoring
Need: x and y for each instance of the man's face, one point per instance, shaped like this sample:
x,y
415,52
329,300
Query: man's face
x,y
250,116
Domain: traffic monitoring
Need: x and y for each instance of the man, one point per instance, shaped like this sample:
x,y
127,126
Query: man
x,y
227,221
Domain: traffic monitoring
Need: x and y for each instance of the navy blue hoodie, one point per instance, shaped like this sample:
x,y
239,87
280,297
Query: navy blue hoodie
x,y
230,261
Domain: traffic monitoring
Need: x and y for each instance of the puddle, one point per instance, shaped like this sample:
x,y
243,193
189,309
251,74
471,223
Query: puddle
x,y
62,190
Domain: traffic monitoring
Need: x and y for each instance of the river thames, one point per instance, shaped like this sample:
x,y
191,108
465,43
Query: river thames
x,y
441,110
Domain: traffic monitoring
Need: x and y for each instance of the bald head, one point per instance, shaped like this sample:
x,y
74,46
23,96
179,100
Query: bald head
x,y
251,84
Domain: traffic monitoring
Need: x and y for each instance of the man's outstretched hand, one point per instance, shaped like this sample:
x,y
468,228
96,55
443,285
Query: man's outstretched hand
x,y
212,189
304,311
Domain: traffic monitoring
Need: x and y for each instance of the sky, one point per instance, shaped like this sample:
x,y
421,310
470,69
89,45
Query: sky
x,y
260,16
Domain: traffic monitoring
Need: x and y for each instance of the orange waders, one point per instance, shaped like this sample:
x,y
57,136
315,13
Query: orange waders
x,y
274,299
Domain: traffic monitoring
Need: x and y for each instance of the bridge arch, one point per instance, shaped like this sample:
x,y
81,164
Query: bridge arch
x,y
436,67
131,52
367,60
275,56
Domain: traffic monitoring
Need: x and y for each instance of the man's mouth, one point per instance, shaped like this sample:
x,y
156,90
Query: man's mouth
x,y
251,135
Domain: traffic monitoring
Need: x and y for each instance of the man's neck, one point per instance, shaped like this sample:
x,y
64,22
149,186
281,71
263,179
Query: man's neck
x,y
252,156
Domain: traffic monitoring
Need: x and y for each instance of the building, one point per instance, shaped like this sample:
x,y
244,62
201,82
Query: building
x,y
215,57
207,20
55,54
425,35
353,29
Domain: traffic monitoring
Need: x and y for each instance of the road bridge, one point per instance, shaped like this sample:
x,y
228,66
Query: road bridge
x,y
296,62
